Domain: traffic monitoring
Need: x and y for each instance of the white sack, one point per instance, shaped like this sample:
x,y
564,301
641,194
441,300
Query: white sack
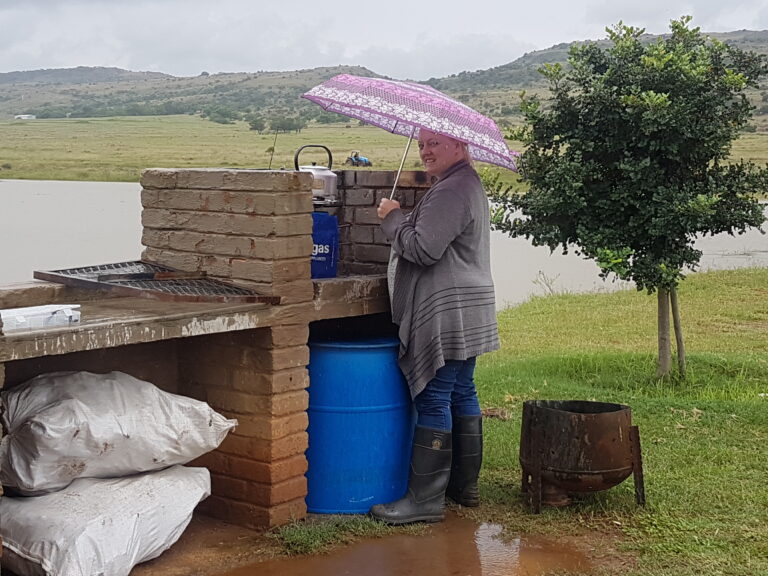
x,y
66,425
100,527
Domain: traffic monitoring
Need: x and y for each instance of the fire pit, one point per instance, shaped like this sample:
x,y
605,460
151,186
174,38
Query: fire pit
x,y
577,446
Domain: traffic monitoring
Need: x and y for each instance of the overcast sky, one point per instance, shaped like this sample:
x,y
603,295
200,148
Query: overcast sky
x,y
402,39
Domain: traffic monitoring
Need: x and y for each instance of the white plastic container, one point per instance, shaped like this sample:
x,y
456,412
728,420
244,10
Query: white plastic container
x,y
38,317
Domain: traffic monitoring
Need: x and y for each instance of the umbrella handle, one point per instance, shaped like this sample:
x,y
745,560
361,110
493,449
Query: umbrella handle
x,y
397,177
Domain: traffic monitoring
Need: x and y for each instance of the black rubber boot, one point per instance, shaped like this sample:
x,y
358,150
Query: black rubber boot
x,y
430,469
467,459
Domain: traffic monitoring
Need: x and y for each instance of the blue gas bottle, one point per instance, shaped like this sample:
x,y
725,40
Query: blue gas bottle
x,y
325,245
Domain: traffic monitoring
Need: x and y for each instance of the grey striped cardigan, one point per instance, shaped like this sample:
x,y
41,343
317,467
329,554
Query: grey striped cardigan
x,y
443,297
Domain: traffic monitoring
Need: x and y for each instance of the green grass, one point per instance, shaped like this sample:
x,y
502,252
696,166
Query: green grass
x,y
705,438
319,534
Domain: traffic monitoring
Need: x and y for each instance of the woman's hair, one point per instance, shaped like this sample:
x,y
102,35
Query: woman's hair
x,y
465,152
463,145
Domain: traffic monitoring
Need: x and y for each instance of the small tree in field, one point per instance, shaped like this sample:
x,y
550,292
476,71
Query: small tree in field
x,y
628,160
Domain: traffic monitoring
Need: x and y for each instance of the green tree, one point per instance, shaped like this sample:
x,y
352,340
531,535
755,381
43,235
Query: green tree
x,y
329,118
220,114
281,124
256,122
286,124
627,161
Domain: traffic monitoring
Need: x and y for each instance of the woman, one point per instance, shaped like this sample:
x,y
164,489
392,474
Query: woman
x,y
443,301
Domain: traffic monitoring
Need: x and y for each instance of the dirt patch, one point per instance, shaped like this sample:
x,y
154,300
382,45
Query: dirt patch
x,y
209,546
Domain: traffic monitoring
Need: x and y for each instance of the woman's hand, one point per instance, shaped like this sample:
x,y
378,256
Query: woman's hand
x,y
386,206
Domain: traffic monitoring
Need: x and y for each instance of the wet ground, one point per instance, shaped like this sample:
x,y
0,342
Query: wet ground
x,y
458,546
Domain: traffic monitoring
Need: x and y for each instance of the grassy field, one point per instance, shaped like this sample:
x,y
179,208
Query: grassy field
x,y
704,440
118,149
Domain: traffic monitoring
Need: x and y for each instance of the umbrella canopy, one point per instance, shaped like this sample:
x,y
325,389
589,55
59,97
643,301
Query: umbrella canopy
x,y
406,107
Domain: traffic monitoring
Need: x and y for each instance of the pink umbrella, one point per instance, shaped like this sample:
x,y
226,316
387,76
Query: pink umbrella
x,y
406,107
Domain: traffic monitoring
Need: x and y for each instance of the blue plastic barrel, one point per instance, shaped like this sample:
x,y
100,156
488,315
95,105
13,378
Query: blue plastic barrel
x,y
360,426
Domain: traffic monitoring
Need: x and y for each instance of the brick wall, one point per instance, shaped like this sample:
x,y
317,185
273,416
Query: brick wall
x,y
364,249
250,226
253,227
258,377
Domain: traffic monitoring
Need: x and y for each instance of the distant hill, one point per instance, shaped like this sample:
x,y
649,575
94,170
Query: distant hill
x,y
523,72
495,91
89,92
79,75
261,97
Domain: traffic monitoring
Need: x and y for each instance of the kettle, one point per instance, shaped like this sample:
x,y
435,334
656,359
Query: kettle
x,y
324,189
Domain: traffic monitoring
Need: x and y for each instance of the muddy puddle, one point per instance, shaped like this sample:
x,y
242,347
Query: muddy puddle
x,y
457,546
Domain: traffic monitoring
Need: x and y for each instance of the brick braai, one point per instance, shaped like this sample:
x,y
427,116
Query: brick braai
x,y
249,362
254,228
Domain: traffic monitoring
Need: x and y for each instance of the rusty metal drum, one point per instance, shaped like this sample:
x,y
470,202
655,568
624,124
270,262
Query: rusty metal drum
x,y
576,446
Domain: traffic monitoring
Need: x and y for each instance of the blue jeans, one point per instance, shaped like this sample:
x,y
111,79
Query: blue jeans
x,y
450,393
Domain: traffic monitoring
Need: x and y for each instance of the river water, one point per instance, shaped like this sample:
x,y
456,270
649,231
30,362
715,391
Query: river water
x,y
49,225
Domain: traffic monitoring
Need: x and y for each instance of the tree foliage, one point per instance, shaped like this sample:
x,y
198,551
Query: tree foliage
x,y
221,114
628,161
286,124
256,122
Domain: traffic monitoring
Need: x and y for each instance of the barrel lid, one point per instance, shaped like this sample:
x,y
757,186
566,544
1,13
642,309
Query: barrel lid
x,y
362,343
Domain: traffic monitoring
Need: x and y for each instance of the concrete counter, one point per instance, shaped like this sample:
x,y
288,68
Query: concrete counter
x,y
112,322
248,361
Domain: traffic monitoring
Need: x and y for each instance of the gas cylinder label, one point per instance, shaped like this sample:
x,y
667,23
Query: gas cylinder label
x,y
318,249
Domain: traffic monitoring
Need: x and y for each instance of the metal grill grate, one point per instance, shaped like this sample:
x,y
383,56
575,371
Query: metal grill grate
x,y
149,280
189,287
93,272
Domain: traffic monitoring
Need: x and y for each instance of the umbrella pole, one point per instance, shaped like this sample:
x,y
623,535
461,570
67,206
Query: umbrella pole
x,y
397,177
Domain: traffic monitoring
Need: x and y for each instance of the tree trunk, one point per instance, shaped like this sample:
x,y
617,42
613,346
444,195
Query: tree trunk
x,y
680,345
665,348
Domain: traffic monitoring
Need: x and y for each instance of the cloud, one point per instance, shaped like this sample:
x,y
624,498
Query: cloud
x,y
400,38
439,57
709,15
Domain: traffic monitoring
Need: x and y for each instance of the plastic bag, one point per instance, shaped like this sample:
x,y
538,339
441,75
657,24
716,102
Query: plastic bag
x,y
66,425
100,527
